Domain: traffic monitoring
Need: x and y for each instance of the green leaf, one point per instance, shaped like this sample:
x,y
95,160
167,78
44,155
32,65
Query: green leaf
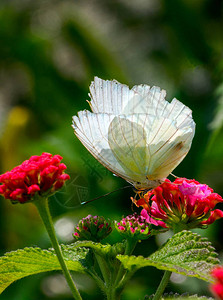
x,y
93,245
185,253
103,250
107,252
176,296
29,261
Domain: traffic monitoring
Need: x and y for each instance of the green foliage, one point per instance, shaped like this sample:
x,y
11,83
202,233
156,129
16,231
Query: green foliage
x,y
172,296
101,249
29,261
185,253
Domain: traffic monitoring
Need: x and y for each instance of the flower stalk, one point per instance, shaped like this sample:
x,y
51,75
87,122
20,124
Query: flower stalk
x,y
133,228
130,246
43,209
103,267
162,285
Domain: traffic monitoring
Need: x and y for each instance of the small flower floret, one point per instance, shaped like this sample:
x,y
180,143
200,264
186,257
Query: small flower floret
x,y
93,228
134,226
217,287
184,202
39,176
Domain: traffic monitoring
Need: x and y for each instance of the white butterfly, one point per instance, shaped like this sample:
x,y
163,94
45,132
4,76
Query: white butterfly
x,y
135,133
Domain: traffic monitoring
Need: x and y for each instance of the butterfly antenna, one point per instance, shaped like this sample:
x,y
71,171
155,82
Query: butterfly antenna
x,y
122,188
174,175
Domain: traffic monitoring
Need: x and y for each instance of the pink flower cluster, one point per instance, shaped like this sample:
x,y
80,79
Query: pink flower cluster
x,y
93,228
40,175
134,226
217,287
184,201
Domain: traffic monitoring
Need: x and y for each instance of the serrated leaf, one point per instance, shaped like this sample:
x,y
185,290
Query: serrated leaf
x,y
103,250
98,247
29,261
183,297
176,296
185,253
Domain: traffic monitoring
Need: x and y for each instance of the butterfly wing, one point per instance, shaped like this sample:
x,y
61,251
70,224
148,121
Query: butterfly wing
x,y
116,98
92,130
168,146
136,147
127,140
147,146
135,133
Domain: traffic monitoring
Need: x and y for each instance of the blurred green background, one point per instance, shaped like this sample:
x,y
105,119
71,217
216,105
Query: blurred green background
x,y
49,52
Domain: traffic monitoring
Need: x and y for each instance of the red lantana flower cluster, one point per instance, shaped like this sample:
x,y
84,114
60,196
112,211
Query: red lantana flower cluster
x,y
184,202
217,287
39,176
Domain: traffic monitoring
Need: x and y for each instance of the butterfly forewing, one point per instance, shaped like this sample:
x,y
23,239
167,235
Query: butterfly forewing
x,y
92,131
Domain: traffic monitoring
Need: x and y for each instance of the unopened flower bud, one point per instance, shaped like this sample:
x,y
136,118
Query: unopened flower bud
x,y
93,228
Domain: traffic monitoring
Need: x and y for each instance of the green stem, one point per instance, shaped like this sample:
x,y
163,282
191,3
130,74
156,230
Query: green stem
x,y
178,227
99,281
113,296
162,285
43,208
167,274
103,268
113,286
130,246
